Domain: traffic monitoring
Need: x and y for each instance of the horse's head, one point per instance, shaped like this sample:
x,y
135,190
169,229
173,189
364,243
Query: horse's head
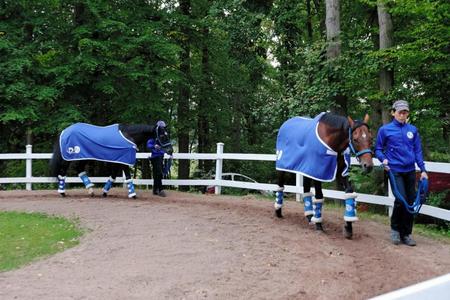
x,y
360,142
163,137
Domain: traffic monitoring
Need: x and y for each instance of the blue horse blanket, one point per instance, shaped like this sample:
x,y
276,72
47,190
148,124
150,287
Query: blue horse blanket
x,y
300,150
83,141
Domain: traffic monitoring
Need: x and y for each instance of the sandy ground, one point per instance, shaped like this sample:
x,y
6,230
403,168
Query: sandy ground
x,y
188,246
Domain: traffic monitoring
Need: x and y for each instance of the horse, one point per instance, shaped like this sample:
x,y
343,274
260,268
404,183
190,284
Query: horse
x,y
319,149
115,144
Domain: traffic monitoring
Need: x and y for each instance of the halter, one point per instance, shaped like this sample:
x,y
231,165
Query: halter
x,y
350,144
161,124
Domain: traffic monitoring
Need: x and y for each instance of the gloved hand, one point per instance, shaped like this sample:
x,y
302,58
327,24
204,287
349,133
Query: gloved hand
x,y
423,175
157,147
385,164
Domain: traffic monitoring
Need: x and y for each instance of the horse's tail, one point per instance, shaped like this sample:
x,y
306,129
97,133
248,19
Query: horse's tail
x,y
56,161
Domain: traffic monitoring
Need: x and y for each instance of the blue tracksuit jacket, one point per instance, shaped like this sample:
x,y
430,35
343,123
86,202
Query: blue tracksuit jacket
x,y
400,144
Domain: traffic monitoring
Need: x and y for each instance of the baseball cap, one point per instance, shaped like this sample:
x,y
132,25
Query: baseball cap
x,y
400,105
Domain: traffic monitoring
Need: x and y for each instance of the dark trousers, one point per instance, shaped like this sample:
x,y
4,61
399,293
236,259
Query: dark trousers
x,y
402,220
157,168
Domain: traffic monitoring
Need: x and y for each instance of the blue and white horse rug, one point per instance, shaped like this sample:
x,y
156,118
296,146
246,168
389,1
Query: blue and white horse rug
x,y
83,141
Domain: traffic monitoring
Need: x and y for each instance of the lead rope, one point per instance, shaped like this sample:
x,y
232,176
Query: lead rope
x,y
421,195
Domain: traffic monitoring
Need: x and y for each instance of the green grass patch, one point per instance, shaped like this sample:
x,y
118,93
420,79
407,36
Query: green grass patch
x,y
24,237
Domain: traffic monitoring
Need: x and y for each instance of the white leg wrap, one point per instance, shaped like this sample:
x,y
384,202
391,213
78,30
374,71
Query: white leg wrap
x,y
278,206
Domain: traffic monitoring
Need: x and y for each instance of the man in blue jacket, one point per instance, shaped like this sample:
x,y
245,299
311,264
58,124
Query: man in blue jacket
x,y
399,147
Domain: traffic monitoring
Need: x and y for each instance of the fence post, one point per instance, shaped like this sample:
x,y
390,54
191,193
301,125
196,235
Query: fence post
x,y
219,163
28,166
298,184
390,195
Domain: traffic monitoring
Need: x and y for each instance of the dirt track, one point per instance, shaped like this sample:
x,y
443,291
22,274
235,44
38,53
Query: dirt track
x,y
190,246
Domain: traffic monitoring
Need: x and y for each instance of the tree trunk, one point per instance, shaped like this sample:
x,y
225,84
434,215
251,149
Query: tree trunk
x,y
386,76
184,95
333,27
204,105
309,21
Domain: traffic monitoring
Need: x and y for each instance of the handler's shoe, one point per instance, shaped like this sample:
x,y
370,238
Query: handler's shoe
x,y
408,240
395,237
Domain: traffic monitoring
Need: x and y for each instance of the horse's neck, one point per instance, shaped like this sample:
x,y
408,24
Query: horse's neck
x,y
138,133
335,138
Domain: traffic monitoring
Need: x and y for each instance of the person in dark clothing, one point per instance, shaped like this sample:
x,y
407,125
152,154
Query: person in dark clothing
x,y
399,148
156,159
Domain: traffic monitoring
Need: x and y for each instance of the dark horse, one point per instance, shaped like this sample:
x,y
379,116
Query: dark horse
x,y
116,144
320,149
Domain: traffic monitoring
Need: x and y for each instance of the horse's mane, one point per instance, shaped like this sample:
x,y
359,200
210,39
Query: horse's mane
x,y
136,128
335,121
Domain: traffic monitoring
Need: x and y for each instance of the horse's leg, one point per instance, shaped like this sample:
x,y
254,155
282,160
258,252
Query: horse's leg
x,y
350,196
62,173
279,193
317,204
114,169
84,177
350,208
307,198
129,182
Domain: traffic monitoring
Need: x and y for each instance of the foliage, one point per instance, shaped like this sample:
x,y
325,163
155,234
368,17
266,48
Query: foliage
x,y
252,64
27,236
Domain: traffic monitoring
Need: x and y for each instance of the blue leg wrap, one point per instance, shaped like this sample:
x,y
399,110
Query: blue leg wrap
x,y
317,205
130,187
350,208
308,204
61,184
279,198
108,185
86,181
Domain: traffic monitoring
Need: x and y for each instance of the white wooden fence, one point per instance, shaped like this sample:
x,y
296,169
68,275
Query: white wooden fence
x,y
433,289
218,182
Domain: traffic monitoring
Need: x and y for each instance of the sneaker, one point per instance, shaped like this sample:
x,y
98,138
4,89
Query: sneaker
x,y
408,240
395,237
162,194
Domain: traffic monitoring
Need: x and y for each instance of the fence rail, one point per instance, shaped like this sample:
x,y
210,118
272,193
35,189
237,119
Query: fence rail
x,y
218,182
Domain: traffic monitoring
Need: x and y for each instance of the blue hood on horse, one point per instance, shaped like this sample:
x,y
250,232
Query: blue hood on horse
x,y
83,141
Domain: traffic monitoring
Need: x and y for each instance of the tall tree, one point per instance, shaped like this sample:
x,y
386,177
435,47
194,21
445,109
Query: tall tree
x,y
333,26
183,110
386,75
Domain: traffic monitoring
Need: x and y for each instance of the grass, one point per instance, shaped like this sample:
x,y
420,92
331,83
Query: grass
x,y
24,237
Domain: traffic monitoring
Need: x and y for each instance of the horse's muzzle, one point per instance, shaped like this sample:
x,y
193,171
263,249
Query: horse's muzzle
x,y
366,168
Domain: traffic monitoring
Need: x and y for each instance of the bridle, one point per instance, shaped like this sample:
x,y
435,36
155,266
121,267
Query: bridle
x,y
350,143
158,139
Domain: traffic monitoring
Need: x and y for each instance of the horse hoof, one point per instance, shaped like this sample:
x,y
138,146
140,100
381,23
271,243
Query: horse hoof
x,y
319,227
105,195
91,192
62,194
278,213
309,219
348,232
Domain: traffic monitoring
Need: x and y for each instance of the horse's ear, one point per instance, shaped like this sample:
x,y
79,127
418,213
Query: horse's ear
x,y
366,118
350,120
